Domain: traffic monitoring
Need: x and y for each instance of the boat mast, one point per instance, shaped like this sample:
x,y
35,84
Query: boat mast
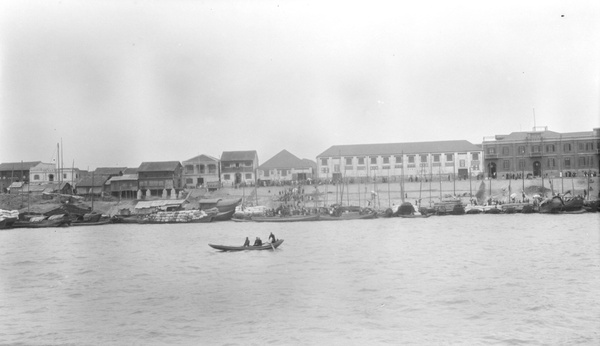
x,y
402,176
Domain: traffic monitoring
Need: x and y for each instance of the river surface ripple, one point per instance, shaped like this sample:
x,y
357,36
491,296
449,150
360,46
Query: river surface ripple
x,y
471,280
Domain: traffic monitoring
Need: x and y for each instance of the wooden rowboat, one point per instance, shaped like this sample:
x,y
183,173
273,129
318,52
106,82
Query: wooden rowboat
x,y
264,246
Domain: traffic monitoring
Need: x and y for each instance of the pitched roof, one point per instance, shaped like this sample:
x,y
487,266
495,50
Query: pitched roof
x,y
398,148
125,177
96,181
109,170
202,157
17,166
239,155
284,159
164,166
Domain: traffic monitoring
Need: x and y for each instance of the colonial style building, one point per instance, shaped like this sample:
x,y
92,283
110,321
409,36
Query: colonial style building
x,y
437,160
285,167
542,154
124,186
14,172
160,178
239,167
200,170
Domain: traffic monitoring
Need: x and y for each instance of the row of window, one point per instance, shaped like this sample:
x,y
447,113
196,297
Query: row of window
x,y
248,176
237,164
212,169
549,148
551,162
398,159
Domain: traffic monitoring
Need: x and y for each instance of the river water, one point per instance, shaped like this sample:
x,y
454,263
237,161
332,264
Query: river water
x,y
470,280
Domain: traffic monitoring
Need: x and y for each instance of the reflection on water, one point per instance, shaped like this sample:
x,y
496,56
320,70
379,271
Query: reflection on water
x,y
474,279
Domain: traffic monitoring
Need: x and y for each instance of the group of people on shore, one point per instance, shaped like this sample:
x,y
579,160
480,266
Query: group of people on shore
x,y
258,241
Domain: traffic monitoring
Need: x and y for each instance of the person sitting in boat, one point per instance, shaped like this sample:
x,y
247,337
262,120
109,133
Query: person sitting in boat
x,y
272,238
247,242
257,242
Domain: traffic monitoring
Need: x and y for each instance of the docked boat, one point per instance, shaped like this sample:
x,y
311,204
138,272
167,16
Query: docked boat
x,y
222,204
292,218
551,205
224,216
264,246
183,216
103,221
415,216
348,216
44,221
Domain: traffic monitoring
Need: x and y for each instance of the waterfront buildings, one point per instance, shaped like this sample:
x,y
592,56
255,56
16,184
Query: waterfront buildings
x,y
542,153
200,170
286,167
389,161
14,172
160,178
238,167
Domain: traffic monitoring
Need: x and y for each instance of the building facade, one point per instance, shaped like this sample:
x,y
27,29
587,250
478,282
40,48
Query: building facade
x,y
286,167
14,172
239,167
418,160
200,171
160,178
542,154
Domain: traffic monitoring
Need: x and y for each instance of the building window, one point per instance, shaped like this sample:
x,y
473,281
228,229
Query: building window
x,y
212,169
202,169
550,148
248,164
536,148
398,159
226,164
189,169
51,177
589,146
505,150
475,156
436,157
361,160
226,176
248,176
551,162
491,150
374,160
449,157
521,164
567,162
324,162
36,177
189,180
237,165
411,159
567,147
521,149
506,164
64,176
462,163
386,159
580,146
348,160
336,168
284,172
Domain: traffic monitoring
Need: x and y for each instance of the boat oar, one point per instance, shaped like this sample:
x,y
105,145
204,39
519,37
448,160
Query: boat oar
x,y
272,246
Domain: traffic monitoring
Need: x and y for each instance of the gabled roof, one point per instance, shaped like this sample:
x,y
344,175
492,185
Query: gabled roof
x,y
284,159
125,177
96,181
202,158
109,170
398,148
17,166
130,171
164,166
249,155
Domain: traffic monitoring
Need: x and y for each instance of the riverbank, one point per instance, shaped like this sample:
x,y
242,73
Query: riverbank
x,y
379,195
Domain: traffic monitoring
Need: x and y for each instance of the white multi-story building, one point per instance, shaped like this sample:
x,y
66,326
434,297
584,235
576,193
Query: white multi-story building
x,y
440,159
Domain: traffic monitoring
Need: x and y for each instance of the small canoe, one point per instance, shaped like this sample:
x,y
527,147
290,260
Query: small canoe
x,y
293,218
264,246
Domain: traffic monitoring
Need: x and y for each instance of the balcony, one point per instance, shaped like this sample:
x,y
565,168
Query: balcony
x,y
491,156
534,155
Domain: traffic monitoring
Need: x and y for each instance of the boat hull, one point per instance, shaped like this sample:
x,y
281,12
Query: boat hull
x,y
265,246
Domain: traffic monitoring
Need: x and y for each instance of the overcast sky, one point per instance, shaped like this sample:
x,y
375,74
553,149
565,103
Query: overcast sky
x,y
121,82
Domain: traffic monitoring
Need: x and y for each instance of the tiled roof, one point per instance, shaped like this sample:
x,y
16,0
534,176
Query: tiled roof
x,y
284,159
125,177
109,170
96,181
16,166
164,166
239,155
398,148
202,158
